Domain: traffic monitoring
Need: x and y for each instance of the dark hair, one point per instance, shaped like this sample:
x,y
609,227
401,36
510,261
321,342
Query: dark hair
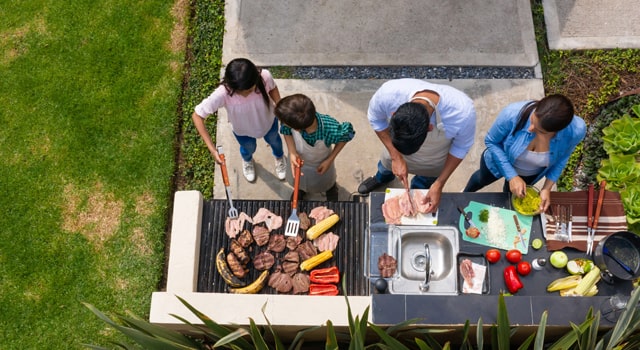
x,y
408,127
296,111
555,113
242,74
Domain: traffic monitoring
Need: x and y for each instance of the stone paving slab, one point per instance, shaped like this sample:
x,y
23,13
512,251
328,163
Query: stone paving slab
x,y
369,32
592,24
347,100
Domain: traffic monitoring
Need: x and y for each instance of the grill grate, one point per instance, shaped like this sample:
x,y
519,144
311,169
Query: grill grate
x,y
348,255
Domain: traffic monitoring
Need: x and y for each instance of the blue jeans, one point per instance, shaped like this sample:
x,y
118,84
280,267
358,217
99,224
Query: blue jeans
x,y
483,177
385,175
248,143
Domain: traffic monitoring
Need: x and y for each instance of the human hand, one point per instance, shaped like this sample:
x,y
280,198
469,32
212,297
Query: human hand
x,y
216,157
324,166
295,161
545,199
518,187
399,168
432,199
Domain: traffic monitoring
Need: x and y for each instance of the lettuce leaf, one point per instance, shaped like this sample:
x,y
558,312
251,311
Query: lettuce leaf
x,y
619,170
631,201
622,136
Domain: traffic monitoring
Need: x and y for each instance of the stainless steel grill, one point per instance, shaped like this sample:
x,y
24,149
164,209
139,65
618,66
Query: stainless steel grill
x,y
348,255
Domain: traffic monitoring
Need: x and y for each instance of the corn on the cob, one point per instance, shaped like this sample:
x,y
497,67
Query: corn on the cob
x,y
588,281
319,228
316,260
564,283
571,292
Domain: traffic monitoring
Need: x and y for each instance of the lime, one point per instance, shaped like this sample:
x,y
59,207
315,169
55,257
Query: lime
x,y
536,243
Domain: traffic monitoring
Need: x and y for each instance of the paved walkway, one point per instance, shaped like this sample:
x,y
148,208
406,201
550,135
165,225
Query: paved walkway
x,y
492,33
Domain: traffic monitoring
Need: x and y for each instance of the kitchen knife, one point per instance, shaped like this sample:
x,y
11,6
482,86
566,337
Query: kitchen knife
x,y
464,215
524,245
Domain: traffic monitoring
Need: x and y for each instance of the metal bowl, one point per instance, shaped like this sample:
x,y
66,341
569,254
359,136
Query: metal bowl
x,y
530,204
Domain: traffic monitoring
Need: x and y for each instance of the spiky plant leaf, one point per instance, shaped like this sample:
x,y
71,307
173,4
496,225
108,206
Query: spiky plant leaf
x,y
465,345
570,338
146,340
389,340
276,339
232,339
332,341
298,340
621,329
539,344
217,331
256,336
480,334
525,344
422,345
503,326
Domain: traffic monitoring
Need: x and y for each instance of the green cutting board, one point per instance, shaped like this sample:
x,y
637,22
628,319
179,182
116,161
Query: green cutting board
x,y
507,240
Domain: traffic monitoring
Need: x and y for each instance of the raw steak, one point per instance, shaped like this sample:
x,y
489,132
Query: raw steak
x,y
391,210
326,241
320,213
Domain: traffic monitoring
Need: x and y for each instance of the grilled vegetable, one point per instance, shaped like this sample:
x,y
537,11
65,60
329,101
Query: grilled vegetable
x,y
588,281
564,283
323,289
326,275
254,287
512,280
225,272
316,260
319,228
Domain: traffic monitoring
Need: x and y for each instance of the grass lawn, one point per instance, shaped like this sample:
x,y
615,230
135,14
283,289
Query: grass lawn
x,y
88,90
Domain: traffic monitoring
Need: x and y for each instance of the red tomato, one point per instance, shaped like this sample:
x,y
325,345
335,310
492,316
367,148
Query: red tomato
x,y
493,255
514,256
524,268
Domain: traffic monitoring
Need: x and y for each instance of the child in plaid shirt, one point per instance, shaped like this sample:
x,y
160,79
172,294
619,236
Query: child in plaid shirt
x,y
315,138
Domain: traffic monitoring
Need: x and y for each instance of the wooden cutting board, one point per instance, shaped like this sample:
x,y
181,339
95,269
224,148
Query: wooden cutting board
x,y
419,219
507,238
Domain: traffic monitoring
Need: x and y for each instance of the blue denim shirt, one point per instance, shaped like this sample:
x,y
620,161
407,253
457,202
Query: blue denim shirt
x,y
503,147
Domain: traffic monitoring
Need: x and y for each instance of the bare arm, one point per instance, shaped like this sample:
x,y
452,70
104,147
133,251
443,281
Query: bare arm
x,y
331,158
398,164
275,94
204,133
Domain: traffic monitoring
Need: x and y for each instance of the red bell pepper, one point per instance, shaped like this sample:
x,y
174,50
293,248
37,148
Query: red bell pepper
x,y
323,289
511,279
326,275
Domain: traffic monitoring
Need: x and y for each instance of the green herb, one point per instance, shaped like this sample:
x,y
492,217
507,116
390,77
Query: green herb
x,y
484,215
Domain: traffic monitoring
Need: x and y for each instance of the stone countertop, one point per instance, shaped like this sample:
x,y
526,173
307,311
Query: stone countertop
x,y
525,307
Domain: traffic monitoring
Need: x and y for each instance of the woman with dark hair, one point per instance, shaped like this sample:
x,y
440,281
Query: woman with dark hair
x,y
528,141
249,95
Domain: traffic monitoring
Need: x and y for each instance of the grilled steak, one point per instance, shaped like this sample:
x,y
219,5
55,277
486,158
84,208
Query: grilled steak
x,y
264,261
236,267
280,282
277,243
260,235
387,265
245,239
300,283
293,242
239,252
291,263
307,250
305,222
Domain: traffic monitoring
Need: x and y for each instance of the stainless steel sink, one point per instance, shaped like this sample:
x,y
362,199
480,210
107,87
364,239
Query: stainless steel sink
x,y
418,248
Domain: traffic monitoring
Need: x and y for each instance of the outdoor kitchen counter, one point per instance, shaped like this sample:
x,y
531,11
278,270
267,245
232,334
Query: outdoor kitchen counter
x,y
525,307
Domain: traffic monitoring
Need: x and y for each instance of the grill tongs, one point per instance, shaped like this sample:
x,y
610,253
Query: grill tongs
x,y
592,221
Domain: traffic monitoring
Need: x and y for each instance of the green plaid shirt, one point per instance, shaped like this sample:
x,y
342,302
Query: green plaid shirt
x,y
329,130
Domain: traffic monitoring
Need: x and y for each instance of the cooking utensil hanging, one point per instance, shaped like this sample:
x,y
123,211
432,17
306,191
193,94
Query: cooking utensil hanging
x,y
293,223
233,212
594,224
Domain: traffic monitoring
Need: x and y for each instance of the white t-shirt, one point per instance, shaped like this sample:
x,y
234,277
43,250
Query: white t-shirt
x,y
249,116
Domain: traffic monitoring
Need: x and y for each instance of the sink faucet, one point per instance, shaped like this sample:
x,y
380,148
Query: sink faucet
x,y
427,268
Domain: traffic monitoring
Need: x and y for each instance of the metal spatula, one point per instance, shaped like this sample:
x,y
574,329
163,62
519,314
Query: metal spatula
x,y
293,224
233,212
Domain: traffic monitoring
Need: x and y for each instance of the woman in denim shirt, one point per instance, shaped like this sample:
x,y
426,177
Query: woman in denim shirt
x,y
529,140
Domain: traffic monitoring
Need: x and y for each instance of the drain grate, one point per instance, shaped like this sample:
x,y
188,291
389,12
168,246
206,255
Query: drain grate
x,y
349,255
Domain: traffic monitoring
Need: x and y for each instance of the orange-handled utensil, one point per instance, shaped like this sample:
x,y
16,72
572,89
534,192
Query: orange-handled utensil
x,y
293,223
233,212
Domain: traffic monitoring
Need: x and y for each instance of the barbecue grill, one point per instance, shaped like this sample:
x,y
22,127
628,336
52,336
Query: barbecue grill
x,y
348,255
